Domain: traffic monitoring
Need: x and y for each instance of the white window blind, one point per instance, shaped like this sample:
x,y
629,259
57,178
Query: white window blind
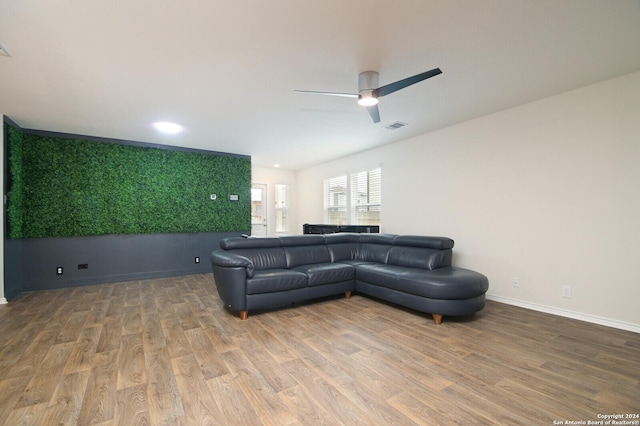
x,y
354,199
335,200
366,197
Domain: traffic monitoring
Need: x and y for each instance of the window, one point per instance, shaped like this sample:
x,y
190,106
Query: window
x,y
354,199
282,207
366,197
335,200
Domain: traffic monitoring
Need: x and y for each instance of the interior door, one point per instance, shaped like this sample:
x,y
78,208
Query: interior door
x,y
259,210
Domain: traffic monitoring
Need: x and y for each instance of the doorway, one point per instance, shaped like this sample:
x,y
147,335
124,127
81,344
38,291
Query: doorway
x,y
258,210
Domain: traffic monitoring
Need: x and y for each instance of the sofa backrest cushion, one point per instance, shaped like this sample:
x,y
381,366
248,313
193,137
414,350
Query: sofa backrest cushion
x,y
439,243
418,257
288,252
264,258
343,246
375,247
265,253
231,243
301,240
305,250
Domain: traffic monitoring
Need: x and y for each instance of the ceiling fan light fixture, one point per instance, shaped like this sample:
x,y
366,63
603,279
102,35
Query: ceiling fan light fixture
x,y
365,99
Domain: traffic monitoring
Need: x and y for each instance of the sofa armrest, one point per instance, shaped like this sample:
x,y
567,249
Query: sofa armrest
x,y
230,272
226,259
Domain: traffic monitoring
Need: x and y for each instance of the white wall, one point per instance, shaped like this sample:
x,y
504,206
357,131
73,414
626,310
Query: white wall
x,y
271,177
548,192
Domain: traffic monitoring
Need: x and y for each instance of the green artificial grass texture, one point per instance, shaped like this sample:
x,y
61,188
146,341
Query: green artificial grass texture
x,y
74,187
15,198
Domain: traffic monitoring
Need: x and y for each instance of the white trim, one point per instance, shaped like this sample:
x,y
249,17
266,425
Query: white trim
x,y
3,301
565,313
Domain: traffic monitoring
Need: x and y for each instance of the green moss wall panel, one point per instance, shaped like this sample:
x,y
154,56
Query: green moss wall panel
x,y
15,205
76,187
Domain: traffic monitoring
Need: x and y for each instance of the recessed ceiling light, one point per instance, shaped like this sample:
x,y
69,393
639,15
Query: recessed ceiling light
x,y
276,165
168,127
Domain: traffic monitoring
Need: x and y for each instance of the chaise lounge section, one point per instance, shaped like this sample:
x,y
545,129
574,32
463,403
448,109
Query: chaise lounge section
x,y
411,271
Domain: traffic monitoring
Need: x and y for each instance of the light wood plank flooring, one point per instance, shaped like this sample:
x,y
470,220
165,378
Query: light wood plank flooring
x,y
165,352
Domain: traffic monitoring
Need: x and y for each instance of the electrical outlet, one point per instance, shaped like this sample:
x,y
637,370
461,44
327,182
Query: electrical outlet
x,y
566,291
59,270
515,281
197,259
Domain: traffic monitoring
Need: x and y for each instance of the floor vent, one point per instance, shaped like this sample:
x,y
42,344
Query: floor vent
x,y
395,125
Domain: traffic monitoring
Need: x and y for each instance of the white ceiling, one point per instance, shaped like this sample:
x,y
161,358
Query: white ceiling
x,y
227,70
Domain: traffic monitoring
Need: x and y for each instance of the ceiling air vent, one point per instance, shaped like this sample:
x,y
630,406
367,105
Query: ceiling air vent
x,y
395,125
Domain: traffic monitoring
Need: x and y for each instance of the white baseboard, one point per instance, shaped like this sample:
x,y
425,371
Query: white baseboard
x,y
3,300
565,313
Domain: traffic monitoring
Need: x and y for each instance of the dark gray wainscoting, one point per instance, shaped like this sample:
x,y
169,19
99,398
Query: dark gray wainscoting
x,y
12,268
112,258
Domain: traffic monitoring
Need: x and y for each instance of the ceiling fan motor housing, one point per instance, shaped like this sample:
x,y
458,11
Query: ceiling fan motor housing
x,y
367,83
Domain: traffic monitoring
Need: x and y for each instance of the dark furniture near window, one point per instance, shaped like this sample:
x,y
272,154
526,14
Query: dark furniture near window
x,y
333,229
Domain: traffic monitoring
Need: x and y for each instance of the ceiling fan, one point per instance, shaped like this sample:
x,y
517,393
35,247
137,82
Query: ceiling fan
x,y
369,92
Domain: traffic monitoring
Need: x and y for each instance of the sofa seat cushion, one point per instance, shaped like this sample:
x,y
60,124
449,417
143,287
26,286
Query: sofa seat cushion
x,y
443,283
355,263
273,280
327,273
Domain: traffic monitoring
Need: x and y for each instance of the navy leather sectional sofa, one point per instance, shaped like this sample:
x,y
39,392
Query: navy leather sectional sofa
x,y
412,271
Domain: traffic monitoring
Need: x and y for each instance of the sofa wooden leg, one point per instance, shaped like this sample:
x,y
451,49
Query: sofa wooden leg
x,y
347,294
244,315
437,318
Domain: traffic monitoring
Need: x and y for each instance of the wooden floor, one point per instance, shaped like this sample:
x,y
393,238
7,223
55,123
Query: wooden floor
x,y
164,351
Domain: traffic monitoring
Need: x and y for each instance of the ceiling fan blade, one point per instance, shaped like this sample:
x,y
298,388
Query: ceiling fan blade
x,y
374,112
313,92
401,84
